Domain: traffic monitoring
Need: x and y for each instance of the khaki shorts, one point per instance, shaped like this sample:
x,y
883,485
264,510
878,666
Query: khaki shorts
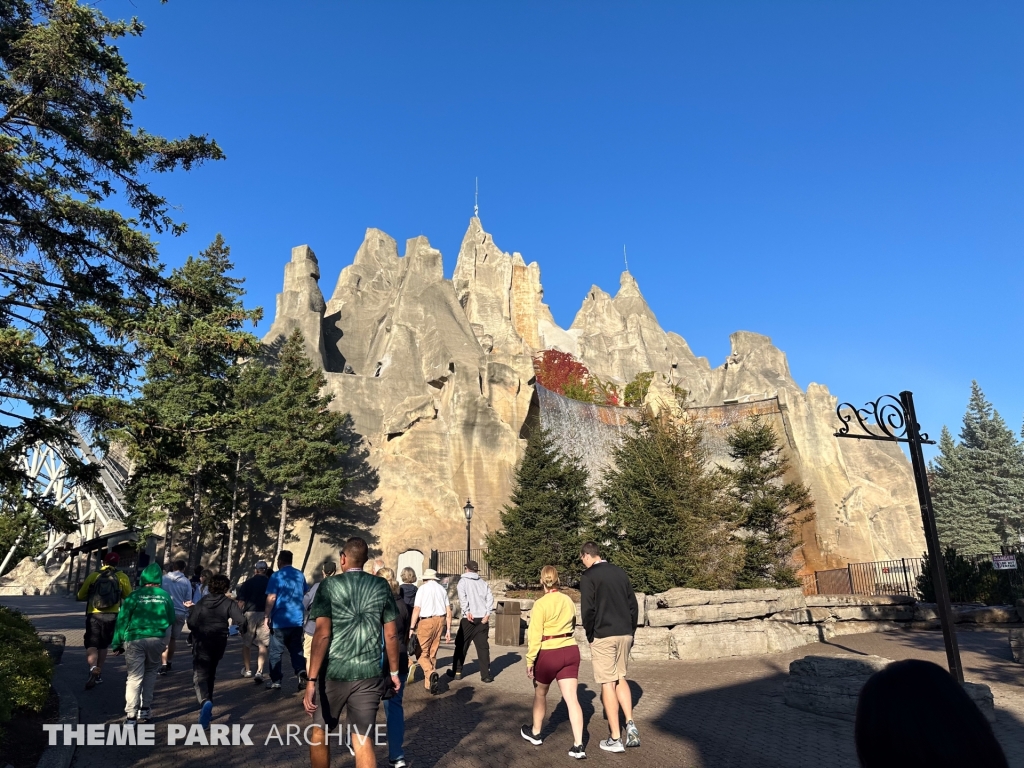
x,y
256,633
609,656
307,648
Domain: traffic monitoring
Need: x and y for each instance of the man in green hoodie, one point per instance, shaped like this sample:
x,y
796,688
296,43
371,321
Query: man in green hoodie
x,y
142,624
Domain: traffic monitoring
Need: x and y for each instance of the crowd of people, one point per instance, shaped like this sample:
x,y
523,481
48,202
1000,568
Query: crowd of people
x,y
356,637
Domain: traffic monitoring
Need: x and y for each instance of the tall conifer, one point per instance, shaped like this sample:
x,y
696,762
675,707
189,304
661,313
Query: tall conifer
x,y
547,517
669,517
768,507
978,484
180,423
297,440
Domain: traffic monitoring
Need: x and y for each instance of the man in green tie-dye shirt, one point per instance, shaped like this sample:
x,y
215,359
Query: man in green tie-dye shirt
x,y
356,634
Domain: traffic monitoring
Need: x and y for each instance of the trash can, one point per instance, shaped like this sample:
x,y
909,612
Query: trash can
x,y
507,616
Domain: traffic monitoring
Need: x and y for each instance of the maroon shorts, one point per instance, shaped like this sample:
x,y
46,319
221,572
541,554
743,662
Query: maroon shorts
x,y
557,664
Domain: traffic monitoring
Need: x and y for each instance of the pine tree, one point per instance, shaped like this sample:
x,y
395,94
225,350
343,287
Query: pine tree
x,y
961,524
978,484
669,517
297,439
768,507
547,517
78,268
180,423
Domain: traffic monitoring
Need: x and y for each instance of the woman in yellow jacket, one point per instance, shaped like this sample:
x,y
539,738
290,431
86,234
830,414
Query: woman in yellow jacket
x,y
554,655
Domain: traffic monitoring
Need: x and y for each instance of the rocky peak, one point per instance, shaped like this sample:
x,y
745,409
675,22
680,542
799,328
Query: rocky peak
x,y
500,293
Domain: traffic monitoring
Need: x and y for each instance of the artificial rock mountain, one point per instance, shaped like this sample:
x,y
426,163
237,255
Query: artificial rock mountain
x,y
438,378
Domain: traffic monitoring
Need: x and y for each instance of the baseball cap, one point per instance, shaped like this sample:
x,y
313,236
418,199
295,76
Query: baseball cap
x,y
261,565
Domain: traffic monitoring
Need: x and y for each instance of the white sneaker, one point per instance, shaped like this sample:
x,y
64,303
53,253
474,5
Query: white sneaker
x,y
612,745
246,672
577,753
632,735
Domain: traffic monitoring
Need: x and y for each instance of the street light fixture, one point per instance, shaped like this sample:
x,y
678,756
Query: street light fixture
x,y
468,509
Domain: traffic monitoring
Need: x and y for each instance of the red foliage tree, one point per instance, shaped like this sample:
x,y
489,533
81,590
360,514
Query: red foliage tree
x,y
556,369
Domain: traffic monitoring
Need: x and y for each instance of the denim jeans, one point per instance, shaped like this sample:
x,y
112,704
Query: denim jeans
x,y
394,712
289,638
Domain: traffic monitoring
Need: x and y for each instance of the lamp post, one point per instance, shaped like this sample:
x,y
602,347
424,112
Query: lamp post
x,y
468,509
895,420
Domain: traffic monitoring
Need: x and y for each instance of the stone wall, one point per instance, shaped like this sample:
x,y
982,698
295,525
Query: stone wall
x,y
698,625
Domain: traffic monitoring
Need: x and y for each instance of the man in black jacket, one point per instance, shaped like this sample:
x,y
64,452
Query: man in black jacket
x,y
208,620
609,610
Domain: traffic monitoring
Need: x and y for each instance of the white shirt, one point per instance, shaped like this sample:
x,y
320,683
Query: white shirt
x,y
431,599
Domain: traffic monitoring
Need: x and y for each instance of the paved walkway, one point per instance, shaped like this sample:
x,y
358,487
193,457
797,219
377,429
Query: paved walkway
x,y
708,714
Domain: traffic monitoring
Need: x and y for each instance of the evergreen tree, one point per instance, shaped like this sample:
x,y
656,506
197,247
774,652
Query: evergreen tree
x,y
547,517
978,484
297,440
77,266
961,524
669,516
767,507
180,423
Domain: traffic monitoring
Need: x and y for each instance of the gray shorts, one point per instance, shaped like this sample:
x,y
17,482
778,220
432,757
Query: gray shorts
x,y
359,699
256,632
174,631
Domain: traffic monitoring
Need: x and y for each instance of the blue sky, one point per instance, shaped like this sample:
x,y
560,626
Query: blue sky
x,y
847,178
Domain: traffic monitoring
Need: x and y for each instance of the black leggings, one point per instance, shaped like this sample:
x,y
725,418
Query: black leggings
x,y
207,651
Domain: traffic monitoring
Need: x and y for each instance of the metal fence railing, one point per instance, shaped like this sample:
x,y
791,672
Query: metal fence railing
x,y
882,577
900,577
451,563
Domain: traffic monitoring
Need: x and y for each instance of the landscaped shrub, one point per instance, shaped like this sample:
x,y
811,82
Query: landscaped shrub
x,y
25,668
968,582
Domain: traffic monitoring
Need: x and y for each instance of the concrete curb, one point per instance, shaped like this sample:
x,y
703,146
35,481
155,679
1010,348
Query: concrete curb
x,y
60,756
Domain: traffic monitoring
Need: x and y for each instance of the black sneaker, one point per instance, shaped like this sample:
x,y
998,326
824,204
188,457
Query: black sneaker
x,y
145,715
434,678
94,676
454,673
303,679
577,753
527,733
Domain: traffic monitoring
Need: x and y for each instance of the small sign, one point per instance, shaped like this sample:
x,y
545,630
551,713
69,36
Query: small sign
x,y
1004,562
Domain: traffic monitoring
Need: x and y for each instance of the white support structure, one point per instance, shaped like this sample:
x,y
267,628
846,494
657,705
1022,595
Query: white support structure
x,y
91,509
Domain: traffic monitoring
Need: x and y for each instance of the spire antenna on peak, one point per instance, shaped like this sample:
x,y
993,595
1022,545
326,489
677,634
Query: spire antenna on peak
x,y
624,257
476,197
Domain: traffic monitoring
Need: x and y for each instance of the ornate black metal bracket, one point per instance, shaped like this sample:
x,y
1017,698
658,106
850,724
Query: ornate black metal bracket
x,y
886,413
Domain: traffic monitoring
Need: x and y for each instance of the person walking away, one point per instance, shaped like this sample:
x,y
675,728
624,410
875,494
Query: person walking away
x,y
431,613
394,710
252,599
284,619
103,590
208,622
476,600
553,655
408,588
609,611
200,589
408,596
179,588
327,570
356,635
146,616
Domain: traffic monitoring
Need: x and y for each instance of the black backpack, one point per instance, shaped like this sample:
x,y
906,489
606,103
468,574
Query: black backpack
x,y
105,592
